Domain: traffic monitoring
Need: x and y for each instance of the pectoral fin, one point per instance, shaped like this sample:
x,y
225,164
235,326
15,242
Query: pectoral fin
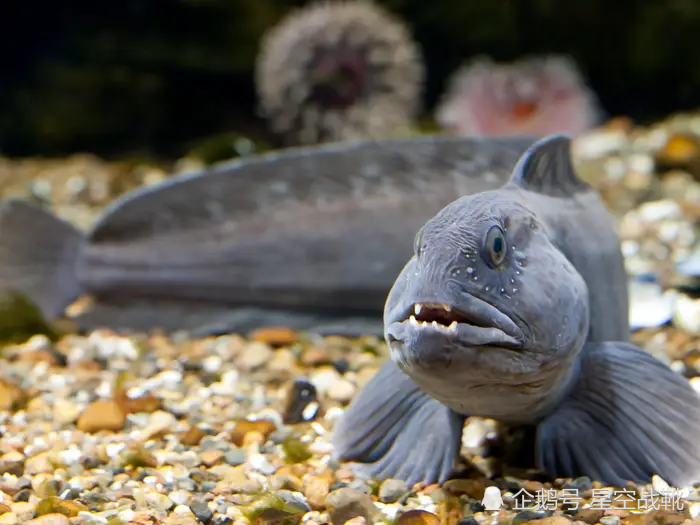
x,y
629,417
398,431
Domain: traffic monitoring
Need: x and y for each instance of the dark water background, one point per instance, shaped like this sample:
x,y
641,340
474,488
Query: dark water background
x,y
156,77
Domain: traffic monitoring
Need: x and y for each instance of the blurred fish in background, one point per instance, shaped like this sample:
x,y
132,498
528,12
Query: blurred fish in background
x,y
536,95
339,71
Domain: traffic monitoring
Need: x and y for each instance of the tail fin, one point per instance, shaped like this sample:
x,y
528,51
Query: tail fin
x,y
38,255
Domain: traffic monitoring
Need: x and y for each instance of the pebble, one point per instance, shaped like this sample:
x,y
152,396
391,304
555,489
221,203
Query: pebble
x,y
342,390
158,423
202,511
391,490
101,415
155,430
50,519
254,356
347,503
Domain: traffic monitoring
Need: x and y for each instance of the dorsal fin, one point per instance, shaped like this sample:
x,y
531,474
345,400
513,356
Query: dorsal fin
x,y
547,168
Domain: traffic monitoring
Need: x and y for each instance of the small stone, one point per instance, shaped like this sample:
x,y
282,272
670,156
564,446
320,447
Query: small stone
x,y
10,518
418,517
471,487
101,415
342,391
50,519
12,463
324,378
65,412
347,503
192,437
275,336
391,490
359,520
38,464
159,422
211,457
12,397
316,489
179,497
301,394
235,457
244,426
254,355
134,405
23,510
54,505
201,511
582,483
528,515
590,516
610,520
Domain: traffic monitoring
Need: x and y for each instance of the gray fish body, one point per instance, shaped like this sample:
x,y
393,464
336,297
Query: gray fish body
x,y
514,307
323,229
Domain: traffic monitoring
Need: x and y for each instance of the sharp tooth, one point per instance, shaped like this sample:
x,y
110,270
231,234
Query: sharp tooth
x,y
448,308
435,324
417,308
413,321
453,326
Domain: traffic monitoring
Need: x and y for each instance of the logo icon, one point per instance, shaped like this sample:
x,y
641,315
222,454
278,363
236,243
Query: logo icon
x,y
492,499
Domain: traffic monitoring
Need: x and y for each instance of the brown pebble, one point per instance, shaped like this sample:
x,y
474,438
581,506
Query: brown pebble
x,y
12,397
316,489
471,487
275,336
130,405
50,519
4,508
192,437
418,517
347,503
211,457
38,356
315,356
101,415
590,516
532,487
243,427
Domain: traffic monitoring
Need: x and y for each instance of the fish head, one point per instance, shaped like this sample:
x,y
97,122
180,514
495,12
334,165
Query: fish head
x,y
487,307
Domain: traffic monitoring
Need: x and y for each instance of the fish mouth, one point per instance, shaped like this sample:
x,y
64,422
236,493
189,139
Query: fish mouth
x,y
476,323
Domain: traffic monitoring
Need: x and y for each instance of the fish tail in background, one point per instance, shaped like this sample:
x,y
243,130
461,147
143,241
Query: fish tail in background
x,y
38,255
629,417
398,431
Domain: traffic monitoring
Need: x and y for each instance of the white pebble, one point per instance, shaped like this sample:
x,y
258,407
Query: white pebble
x,y
261,464
126,515
179,497
89,517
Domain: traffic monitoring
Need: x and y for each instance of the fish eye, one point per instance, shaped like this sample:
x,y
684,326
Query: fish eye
x,y
495,246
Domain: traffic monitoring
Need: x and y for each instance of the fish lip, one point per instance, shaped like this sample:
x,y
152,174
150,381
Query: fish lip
x,y
476,323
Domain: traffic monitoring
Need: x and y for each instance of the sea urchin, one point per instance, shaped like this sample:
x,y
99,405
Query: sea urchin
x,y
339,70
539,96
